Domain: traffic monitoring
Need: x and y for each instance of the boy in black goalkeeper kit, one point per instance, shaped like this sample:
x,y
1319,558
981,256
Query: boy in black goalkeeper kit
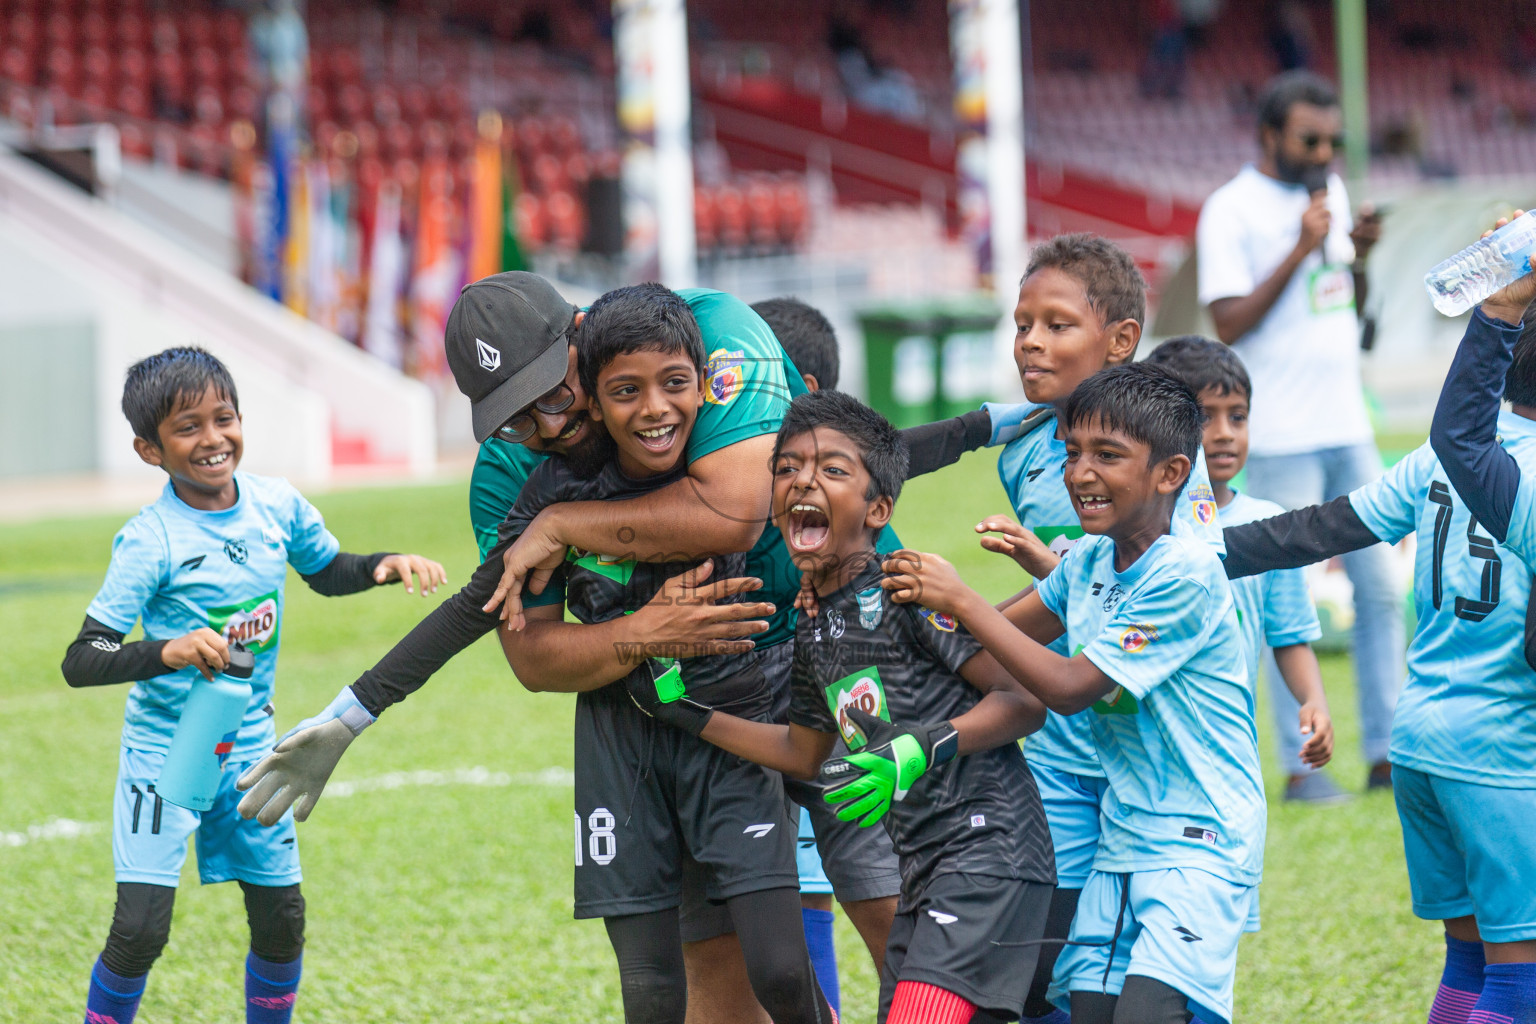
x,y
932,719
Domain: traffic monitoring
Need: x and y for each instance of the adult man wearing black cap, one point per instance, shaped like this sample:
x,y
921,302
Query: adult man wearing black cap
x,y
538,408
508,346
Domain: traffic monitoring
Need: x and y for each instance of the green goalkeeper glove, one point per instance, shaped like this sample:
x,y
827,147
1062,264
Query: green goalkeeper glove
x,y
659,693
894,756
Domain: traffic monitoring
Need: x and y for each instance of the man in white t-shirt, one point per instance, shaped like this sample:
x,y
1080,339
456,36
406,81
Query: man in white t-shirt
x,y
1282,270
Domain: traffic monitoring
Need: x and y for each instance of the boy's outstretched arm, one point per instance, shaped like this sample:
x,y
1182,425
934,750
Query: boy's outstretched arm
x,y
1301,537
1006,713
1298,667
792,749
795,750
351,574
1464,433
1465,428
933,446
552,655
1016,638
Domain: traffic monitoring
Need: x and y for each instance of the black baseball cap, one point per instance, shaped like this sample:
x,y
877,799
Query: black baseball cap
x,y
506,345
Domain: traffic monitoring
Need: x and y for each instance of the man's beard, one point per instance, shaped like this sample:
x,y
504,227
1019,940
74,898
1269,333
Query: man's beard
x,y
589,457
1301,172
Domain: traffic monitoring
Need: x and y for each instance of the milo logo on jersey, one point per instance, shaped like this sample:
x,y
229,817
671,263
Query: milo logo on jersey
x,y
253,623
1202,502
727,371
1059,538
862,690
1119,701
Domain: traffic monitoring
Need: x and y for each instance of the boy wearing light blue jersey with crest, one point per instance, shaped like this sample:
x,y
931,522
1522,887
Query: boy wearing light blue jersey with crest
x,y
1275,609
1080,309
1463,746
201,568
1158,672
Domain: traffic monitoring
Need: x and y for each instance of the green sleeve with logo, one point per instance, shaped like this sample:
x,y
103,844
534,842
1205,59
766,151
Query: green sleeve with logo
x,y
750,381
501,469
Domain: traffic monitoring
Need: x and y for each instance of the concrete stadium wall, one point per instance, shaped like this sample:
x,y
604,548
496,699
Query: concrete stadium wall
x,y
69,263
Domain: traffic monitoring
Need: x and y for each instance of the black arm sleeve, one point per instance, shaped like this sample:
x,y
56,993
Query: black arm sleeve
x,y
936,445
346,574
98,657
452,626
1312,534
1464,433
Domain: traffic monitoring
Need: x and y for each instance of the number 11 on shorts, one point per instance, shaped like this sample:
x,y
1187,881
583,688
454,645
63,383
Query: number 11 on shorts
x,y
601,844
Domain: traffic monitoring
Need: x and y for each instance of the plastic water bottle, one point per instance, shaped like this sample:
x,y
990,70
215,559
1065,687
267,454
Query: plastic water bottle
x,y
206,733
1482,268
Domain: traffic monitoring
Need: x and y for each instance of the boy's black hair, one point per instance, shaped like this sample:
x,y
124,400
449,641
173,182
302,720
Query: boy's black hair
x,y
1115,287
636,318
1202,363
880,446
1520,378
1144,402
806,335
1286,90
162,383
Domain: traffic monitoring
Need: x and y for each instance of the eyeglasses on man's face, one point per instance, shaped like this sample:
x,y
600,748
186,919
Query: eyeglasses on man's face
x,y
522,426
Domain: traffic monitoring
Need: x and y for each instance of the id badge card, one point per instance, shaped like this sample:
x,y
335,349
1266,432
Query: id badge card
x,y
1331,287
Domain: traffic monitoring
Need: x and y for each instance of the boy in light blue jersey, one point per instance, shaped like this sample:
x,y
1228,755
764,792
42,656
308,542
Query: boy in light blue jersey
x,y
1080,309
203,567
1274,609
1463,750
1159,673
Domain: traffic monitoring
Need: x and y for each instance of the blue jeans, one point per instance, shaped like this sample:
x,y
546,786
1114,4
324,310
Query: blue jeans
x,y
1309,478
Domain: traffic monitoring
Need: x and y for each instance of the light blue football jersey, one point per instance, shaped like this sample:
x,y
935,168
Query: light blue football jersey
x,y
1468,710
1273,608
179,569
1031,470
1176,738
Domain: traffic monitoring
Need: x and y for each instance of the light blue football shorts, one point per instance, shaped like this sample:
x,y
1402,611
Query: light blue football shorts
x,y
1181,927
812,878
1471,850
149,834
1072,810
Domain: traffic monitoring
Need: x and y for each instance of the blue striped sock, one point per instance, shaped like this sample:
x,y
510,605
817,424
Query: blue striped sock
x,y
112,999
1460,982
818,939
270,990
1509,995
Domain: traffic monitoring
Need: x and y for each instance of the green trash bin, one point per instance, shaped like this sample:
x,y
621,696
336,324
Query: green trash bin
x,y
912,350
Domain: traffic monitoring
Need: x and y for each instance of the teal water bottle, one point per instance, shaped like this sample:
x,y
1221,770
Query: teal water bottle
x,y
206,733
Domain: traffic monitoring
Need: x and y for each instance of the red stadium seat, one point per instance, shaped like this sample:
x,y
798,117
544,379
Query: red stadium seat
x,y
532,226
565,221
704,217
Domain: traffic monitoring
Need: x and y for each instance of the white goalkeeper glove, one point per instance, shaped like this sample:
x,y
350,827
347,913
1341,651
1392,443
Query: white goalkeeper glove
x,y
300,765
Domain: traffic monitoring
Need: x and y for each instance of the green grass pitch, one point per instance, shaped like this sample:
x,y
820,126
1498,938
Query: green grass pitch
x,y
437,868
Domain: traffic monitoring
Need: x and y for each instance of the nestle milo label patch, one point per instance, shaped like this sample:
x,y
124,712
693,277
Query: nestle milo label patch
x,y
253,623
863,690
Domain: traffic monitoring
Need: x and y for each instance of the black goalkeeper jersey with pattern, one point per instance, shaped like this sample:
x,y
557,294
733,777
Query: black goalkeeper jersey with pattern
x,y
979,814
599,587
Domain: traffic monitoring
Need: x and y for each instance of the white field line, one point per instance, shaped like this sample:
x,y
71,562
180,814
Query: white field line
x,y
67,828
